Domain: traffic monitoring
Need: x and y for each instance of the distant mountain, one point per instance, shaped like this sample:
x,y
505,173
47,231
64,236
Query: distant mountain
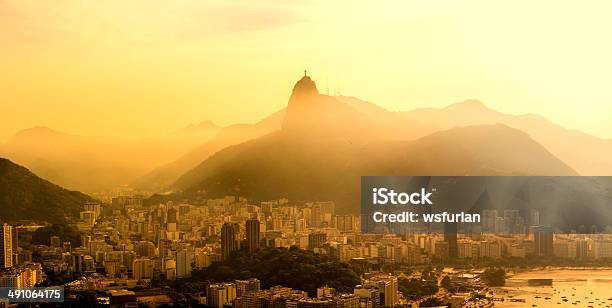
x,y
93,163
23,195
203,131
587,154
163,177
326,144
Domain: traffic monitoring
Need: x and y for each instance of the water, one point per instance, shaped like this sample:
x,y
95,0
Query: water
x,y
579,287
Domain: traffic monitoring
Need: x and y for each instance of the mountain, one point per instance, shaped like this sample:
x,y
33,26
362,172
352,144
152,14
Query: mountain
x,y
202,131
94,163
162,177
326,144
325,110
587,154
23,195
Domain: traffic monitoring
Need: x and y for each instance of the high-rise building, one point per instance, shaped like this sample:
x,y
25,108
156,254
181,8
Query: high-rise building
x,y
511,219
217,295
15,239
489,218
345,222
543,240
316,240
582,249
93,207
172,215
388,289
184,260
6,246
450,236
248,286
229,239
534,217
252,234
142,269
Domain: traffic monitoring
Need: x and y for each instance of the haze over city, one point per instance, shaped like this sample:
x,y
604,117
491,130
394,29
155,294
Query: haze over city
x,y
307,154
142,68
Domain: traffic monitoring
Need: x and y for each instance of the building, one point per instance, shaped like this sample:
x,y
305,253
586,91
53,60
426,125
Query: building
x,y
6,246
248,286
345,223
315,303
369,297
602,249
219,294
534,217
490,250
252,234
450,236
142,269
441,249
184,260
111,268
489,219
281,297
229,239
316,240
388,289
94,207
511,220
55,241
325,291
543,240
12,279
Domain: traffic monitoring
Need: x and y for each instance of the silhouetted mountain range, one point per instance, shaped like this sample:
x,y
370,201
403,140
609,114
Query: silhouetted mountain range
x,y
93,163
174,162
23,195
326,144
162,177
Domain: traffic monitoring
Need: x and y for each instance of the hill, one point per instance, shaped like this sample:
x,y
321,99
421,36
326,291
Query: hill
x,y
320,169
588,155
325,145
96,163
23,195
160,178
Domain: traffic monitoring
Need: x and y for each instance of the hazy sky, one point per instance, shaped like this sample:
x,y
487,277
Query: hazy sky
x,y
145,67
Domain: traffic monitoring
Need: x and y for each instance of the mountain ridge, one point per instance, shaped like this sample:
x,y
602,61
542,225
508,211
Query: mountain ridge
x,y
325,145
24,195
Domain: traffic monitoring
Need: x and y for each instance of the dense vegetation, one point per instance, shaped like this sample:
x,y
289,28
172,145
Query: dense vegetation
x,y
416,288
65,233
494,276
23,195
294,268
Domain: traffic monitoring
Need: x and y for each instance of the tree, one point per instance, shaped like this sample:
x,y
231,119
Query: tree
x,y
433,302
417,288
66,233
294,268
494,276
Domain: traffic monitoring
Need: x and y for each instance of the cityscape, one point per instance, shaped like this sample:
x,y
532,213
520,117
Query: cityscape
x,y
123,252
305,154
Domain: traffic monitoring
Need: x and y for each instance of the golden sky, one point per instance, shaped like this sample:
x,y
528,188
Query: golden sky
x,y
147,67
